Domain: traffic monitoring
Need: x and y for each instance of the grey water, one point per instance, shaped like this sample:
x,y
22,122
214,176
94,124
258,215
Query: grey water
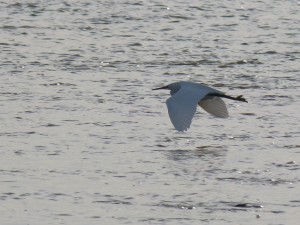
x,y
85,140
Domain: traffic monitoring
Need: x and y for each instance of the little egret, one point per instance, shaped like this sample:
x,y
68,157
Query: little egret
x,y
185,96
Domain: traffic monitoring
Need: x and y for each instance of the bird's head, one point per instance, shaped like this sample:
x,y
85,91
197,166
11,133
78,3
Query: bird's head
x,y
174,87
164,87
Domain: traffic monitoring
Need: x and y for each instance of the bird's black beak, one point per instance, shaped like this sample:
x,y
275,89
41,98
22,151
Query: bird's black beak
x,y
165,87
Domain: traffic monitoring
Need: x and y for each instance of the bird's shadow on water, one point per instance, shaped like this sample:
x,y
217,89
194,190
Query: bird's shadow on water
x,y
206,153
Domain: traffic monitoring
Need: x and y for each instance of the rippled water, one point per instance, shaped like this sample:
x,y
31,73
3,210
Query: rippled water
x,y
84,139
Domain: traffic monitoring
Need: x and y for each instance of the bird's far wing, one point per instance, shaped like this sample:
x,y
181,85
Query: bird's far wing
x,y
182,107
215,106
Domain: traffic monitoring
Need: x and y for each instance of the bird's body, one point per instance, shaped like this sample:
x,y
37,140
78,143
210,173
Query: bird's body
x,y
185,96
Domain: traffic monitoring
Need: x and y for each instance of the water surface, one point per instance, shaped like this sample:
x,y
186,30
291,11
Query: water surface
x,y
84,139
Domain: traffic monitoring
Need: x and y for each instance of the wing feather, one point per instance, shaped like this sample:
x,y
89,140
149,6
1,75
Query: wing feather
x,y
182,107
215,106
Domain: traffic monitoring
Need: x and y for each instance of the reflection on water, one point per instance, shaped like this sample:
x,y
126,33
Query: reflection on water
x,y
203,153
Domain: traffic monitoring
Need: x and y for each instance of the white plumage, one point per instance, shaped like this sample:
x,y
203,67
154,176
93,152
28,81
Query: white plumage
x,y
186,96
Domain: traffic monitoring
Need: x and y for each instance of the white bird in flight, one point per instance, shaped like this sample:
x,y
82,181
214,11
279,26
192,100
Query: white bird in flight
x,y
185,96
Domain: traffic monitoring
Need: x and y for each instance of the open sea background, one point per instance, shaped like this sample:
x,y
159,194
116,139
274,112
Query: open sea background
x,y
84,139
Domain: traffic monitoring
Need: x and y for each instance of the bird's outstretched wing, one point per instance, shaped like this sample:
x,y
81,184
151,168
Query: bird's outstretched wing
x,y
215,106
182,107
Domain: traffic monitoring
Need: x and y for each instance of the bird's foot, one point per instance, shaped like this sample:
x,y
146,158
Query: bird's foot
x,y
241,98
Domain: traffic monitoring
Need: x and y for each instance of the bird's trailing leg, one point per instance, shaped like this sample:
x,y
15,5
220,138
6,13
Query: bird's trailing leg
x,y
238,98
